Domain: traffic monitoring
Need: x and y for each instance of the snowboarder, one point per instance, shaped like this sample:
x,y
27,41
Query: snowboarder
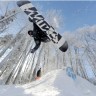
x,y
41,28
38,74
39,36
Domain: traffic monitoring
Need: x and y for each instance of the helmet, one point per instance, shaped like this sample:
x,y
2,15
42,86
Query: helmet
x,y
30,32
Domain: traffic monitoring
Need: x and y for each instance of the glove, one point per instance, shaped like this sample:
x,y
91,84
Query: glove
x,y
32,50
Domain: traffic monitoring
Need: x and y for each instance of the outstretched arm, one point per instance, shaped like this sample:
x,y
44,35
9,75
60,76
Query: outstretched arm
x,y
37,42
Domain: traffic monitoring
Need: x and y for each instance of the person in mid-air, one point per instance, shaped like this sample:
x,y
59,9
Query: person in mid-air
x,y
39,36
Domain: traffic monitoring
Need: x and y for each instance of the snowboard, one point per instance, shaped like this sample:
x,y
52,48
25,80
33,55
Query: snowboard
x,y
39,20
70,73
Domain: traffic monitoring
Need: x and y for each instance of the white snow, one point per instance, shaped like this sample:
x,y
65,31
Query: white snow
x,y
55,83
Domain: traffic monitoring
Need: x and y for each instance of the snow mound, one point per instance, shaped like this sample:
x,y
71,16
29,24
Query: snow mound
x,y
55,83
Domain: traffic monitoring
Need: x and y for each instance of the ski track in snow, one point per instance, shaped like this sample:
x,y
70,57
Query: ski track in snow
x,y
55,83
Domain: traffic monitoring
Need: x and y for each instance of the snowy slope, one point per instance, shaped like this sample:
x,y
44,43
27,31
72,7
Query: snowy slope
x,y
55,83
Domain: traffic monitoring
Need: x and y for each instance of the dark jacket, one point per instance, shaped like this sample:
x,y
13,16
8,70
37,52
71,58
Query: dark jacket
x,y
39,36
39,73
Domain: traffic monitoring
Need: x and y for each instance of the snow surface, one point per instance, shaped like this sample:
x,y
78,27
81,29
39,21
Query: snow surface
x,y
55,83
